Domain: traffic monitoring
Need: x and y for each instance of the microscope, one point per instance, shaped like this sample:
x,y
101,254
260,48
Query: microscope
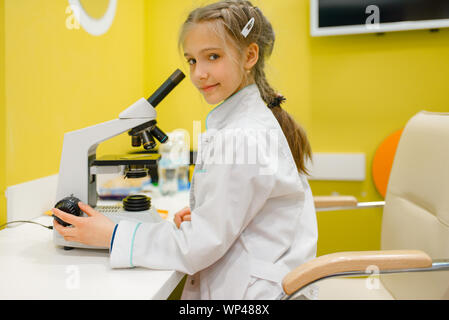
x,y
79,165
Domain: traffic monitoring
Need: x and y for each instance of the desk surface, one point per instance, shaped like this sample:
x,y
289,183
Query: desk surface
x,y
32,267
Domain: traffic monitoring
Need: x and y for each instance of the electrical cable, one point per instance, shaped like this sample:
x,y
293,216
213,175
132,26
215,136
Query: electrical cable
x,y
25,221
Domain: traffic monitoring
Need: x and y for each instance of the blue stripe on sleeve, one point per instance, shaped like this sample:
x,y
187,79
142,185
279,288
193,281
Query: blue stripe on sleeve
x,y
132,245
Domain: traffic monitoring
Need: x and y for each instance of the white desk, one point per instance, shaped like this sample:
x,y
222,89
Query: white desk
x,y
32,267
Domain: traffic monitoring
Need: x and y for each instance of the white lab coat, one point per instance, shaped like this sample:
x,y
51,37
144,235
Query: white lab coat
x,y
253,220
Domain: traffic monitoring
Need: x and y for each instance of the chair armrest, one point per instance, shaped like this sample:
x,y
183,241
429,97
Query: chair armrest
x,y
335,203
358,261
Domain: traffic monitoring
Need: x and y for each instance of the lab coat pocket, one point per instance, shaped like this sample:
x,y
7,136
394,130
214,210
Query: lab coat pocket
x,y
262,289
265,279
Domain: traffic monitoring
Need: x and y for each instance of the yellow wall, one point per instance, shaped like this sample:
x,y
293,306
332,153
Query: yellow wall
x,y
349,92
59,80
2,116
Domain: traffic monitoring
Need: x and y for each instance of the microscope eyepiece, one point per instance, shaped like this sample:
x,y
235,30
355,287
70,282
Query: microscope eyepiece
x,y
166,88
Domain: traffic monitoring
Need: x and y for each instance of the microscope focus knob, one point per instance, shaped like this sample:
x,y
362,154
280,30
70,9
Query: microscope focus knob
x,y
68,205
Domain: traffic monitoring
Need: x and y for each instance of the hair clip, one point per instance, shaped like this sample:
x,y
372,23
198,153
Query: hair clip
x,y
249,26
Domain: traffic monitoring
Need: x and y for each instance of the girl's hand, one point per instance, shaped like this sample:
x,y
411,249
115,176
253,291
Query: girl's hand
x,y
94,230
181,216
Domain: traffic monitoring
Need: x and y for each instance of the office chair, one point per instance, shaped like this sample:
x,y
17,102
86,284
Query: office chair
x,y
413,262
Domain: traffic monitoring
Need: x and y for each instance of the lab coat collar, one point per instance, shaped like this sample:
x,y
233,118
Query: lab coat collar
x,y
220,115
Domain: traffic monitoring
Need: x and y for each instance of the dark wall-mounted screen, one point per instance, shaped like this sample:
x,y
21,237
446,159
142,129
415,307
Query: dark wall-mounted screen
x,y
335,13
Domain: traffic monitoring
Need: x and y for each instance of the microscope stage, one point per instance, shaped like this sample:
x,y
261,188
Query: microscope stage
x,y
128,159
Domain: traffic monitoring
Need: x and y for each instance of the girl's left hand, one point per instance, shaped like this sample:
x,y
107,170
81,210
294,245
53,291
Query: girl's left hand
x,y
182,215
95,230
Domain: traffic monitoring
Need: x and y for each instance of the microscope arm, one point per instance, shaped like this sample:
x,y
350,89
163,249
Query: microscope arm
x,y
79,150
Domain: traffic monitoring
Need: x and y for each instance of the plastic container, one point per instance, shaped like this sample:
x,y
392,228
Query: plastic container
x,y
168,182
173,167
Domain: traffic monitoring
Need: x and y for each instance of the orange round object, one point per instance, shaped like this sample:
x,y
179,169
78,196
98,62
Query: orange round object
x,y
383,161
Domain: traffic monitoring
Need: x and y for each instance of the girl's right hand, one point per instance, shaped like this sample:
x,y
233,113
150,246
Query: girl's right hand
x,y
181,216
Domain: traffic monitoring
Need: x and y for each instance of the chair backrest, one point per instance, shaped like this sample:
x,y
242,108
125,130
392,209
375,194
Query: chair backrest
x,y
416,213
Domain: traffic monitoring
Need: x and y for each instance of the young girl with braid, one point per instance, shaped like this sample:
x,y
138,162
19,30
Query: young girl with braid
x,y
251,217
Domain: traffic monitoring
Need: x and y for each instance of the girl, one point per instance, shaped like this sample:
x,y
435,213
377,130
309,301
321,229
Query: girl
x,y
251,218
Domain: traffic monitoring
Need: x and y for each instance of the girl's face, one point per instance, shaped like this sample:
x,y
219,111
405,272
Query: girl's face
x,y
212,71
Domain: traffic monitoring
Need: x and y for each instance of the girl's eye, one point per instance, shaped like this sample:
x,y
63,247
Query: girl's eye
x,y
212,55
